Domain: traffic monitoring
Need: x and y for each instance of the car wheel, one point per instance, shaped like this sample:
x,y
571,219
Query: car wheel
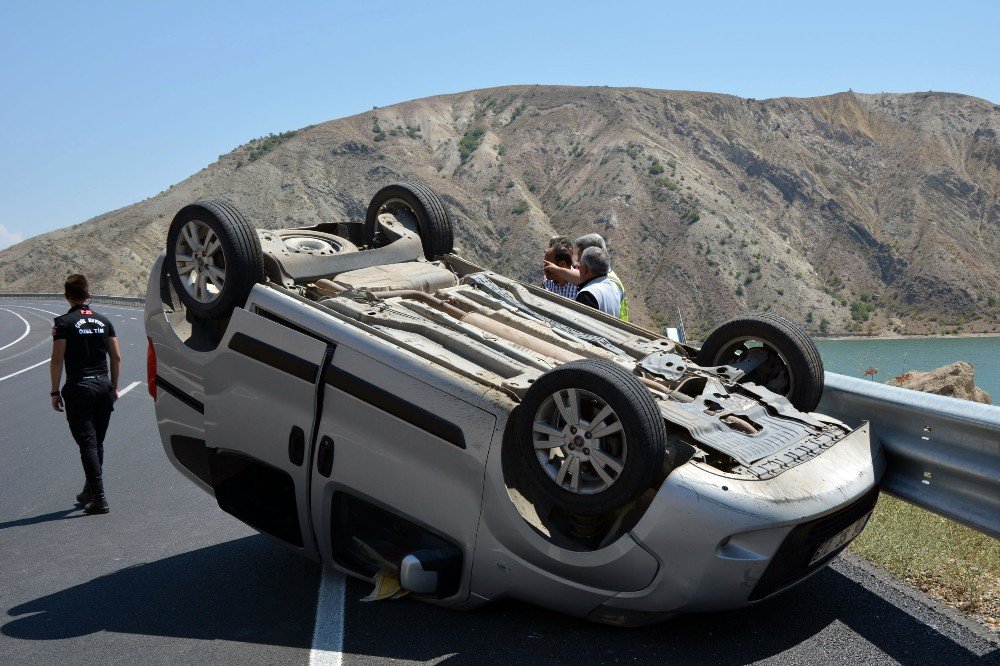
x,y
214,257
773,351
416,207
590,437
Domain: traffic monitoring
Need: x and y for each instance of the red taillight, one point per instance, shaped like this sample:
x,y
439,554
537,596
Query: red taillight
x,y
151,369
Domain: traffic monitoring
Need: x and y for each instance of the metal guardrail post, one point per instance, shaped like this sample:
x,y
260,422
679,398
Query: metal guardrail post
x,y
942,453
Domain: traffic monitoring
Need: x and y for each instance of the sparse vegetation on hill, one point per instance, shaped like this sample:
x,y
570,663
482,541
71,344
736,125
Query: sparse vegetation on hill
x,y
265,144
848,213
470,141
377,130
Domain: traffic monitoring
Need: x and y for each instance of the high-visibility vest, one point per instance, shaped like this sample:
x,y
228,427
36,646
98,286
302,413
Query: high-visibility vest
x,y
606,293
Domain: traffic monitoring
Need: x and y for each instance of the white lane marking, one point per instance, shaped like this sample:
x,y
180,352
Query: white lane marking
x,y
128,388
30,367
328,632
54,314
27,329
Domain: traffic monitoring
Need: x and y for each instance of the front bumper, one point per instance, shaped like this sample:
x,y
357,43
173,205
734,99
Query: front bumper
x,y
704,543
724,543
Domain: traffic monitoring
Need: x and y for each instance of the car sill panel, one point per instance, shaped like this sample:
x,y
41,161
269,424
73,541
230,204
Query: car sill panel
x,y
277,358
180,395
394,405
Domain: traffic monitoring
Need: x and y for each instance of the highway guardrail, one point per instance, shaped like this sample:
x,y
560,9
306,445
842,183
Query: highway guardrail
x,y
107,300
942,453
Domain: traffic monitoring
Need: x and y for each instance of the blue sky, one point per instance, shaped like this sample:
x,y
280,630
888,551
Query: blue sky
x,y
106,103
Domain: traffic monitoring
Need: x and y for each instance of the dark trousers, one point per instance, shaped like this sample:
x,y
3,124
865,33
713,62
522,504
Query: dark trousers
x,y
89,403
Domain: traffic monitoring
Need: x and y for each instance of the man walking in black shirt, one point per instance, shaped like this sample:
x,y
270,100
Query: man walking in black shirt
x,y
83,341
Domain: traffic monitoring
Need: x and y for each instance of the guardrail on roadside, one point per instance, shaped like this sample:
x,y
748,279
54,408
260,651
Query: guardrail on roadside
x,y
942,454
108,300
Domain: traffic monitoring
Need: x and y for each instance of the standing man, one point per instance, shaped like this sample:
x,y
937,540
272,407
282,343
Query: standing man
x,y
83,341
598,290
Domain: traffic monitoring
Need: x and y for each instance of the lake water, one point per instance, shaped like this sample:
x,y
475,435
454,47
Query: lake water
x,y
894,357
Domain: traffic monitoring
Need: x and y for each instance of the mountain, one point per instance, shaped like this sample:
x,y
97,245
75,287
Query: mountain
x,y
850,212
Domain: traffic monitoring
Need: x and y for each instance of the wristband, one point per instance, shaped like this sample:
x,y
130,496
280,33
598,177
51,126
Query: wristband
x,y
54,393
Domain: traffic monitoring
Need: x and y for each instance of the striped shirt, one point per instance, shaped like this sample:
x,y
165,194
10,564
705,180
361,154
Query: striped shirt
x,y
569,290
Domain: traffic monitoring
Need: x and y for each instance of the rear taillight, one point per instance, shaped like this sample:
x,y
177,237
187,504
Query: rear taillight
x,y
151,369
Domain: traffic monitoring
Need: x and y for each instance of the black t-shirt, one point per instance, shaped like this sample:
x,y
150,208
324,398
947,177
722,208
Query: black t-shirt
x,y
86,334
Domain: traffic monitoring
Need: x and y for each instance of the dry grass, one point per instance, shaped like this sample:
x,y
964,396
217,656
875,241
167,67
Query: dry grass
x,y
951,562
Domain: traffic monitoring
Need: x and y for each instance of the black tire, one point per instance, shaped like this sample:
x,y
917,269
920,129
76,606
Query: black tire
x,y
641,423
436,233
239,253
802,359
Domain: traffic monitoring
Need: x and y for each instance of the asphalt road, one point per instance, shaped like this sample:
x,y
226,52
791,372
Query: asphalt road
x,y
166,577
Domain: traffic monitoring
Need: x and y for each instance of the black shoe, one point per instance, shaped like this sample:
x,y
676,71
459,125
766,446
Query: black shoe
x,y
97,505
85,495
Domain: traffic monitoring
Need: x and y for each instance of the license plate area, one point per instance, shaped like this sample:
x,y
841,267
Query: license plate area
x,y
839,539
810,545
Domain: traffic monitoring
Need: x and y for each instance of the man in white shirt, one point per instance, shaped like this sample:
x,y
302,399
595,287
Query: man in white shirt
x,y
597,289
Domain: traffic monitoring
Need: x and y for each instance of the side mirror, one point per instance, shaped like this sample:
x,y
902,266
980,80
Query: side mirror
x,y
416,579
426,572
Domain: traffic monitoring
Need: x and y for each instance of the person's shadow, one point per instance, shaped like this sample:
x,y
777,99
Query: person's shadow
x,y
62,514
254,591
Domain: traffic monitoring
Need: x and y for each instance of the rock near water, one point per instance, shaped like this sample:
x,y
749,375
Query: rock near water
x,y
957,380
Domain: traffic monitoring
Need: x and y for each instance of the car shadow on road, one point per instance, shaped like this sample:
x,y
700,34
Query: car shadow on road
x,y
250,590
827,618
253,591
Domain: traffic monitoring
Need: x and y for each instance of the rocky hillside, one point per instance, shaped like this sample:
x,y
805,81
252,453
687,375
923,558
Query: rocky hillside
x,y
852,212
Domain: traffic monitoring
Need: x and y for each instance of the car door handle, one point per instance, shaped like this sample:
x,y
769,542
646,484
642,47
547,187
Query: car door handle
x,y
296,446
324,457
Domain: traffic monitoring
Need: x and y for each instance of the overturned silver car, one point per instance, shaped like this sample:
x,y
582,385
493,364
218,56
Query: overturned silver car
x,y
374,401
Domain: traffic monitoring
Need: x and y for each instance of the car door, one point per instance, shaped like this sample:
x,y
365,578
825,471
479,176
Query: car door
x,y
395,447
260,404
